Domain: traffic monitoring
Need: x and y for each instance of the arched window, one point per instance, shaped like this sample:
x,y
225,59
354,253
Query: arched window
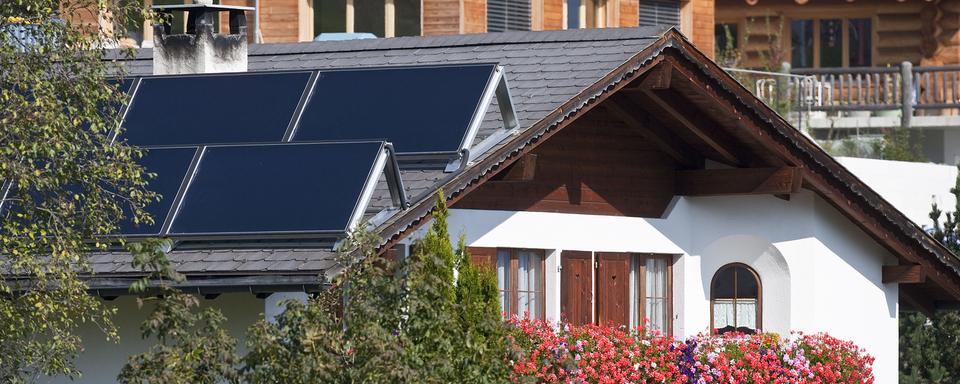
x,y
735,294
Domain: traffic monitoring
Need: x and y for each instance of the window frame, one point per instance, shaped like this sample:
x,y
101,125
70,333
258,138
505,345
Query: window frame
x,y
756,277
641,260
512,293
350,17
844,33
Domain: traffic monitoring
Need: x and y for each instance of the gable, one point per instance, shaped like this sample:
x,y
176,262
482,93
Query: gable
x,y
692,111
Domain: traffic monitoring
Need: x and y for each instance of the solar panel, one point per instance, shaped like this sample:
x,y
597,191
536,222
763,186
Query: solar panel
x,y
292,188
170,166
418,109
210,109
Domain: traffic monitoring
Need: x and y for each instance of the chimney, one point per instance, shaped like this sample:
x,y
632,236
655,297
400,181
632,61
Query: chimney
x,y
202,49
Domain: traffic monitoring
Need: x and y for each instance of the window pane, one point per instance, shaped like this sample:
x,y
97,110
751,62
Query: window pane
x,y
329,16
801,40
503,279
573,14
529,275
407,13
655,285
746,284
831,43
747,314
723,284
368,17
723,314
860,47
725,39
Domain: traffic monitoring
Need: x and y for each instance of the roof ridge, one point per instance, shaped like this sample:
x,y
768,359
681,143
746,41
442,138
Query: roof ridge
x,y
465,40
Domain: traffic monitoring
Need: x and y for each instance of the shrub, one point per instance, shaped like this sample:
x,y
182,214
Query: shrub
x,y
597,354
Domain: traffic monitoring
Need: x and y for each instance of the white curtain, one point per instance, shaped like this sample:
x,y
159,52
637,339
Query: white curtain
x,y
723,313
747,313
655,284
529,271
503,279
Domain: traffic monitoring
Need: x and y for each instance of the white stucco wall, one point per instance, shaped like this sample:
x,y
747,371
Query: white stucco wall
x,y
101,361
819,272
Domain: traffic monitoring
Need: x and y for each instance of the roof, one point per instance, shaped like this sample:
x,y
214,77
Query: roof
x,y
555,76
748,117
543,70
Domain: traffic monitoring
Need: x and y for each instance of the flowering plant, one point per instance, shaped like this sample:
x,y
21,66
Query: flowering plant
x,y
564,353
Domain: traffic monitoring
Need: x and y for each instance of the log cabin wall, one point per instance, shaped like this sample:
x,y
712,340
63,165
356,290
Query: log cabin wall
x,y
924,33
441,17
595,166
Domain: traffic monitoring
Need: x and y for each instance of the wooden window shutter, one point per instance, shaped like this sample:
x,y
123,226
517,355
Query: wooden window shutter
x,y
659,12
508,15
576,287
483,256
613,288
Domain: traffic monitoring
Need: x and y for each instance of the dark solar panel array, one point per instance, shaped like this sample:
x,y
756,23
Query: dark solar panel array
x,y
419,109
170,165
280,188
213,109
285,153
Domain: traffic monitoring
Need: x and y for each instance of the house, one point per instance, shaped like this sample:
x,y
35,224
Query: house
x,y
855,67
287,21
614,175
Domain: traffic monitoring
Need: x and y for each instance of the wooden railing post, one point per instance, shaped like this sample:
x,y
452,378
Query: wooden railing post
x,y
906,94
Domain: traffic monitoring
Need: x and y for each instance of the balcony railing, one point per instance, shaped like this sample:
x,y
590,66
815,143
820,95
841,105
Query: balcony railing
x,y
904,87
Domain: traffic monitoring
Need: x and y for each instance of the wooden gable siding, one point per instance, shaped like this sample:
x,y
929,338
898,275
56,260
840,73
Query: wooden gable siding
x,y
596,166
629,13
441,17
553,15
474,16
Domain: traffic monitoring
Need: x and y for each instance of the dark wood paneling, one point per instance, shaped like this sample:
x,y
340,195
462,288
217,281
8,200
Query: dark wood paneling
x,y
597,166
576,287
613,288
484,257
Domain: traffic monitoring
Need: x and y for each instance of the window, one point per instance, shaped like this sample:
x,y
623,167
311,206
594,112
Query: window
x,y
383,18
654,292
520,280
619,288
735,300
726,43
508,15
573,13
659,12
801,43
827,43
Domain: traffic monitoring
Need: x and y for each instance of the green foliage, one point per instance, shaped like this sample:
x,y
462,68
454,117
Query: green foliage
x,y
930,347
69,183
900,145
409,320
192,345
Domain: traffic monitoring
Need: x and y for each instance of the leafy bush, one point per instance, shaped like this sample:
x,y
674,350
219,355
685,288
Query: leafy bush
x,y
599,354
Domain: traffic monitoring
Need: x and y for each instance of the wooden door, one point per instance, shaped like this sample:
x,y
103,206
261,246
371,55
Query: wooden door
x,y
576,287
613,288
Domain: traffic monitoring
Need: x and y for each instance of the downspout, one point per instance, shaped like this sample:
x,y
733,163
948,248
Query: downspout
x,y
257,36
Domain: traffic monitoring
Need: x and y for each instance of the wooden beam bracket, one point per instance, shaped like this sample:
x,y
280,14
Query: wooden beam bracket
x,y
904,274
739,181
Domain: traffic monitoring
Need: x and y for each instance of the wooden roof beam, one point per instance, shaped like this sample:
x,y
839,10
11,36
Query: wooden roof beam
x,y
904,274
669,101
739,181
629,113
